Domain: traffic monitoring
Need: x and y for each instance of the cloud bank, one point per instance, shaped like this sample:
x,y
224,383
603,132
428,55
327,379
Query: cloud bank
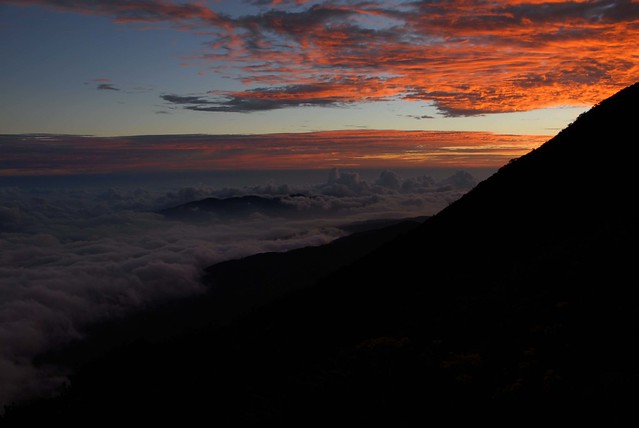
x,y
70,257
75,154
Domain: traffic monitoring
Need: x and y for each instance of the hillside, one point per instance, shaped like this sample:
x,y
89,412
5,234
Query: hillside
x,y
516,304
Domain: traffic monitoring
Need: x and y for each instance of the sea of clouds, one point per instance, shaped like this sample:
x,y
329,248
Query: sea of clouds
x,y
72,256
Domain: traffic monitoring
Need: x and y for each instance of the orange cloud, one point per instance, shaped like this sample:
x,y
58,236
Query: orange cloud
x,y
467,57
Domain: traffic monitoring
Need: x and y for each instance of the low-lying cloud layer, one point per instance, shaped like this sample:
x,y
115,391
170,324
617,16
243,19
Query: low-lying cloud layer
x,y
71,257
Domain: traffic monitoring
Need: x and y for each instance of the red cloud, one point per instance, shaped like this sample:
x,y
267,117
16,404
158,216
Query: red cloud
x,y
469,57
67,154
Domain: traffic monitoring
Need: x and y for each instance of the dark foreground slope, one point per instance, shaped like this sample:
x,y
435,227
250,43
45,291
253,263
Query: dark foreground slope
x,y
234,288
517,304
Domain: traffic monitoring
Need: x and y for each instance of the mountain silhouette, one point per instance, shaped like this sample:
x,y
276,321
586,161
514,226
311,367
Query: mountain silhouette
x,y
515,305
230,208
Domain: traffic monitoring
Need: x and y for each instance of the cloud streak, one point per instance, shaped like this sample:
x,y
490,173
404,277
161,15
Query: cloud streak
x,y
107,87
72,154
320,94
131,11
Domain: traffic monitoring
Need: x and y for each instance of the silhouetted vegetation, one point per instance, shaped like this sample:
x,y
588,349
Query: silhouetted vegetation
x,y
514,305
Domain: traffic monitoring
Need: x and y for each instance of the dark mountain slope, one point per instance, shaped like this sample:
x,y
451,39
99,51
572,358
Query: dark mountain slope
x,y
532,274
261,278
234,288
515,305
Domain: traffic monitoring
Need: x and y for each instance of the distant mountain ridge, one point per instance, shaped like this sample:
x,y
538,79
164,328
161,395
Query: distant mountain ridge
x,y
342,192
515,305
233,207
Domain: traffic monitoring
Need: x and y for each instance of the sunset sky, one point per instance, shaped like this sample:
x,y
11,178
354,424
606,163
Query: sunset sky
x,y
483,80
346,111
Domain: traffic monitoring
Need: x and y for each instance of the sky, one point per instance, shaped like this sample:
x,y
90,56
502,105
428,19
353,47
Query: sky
x,y
301,70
